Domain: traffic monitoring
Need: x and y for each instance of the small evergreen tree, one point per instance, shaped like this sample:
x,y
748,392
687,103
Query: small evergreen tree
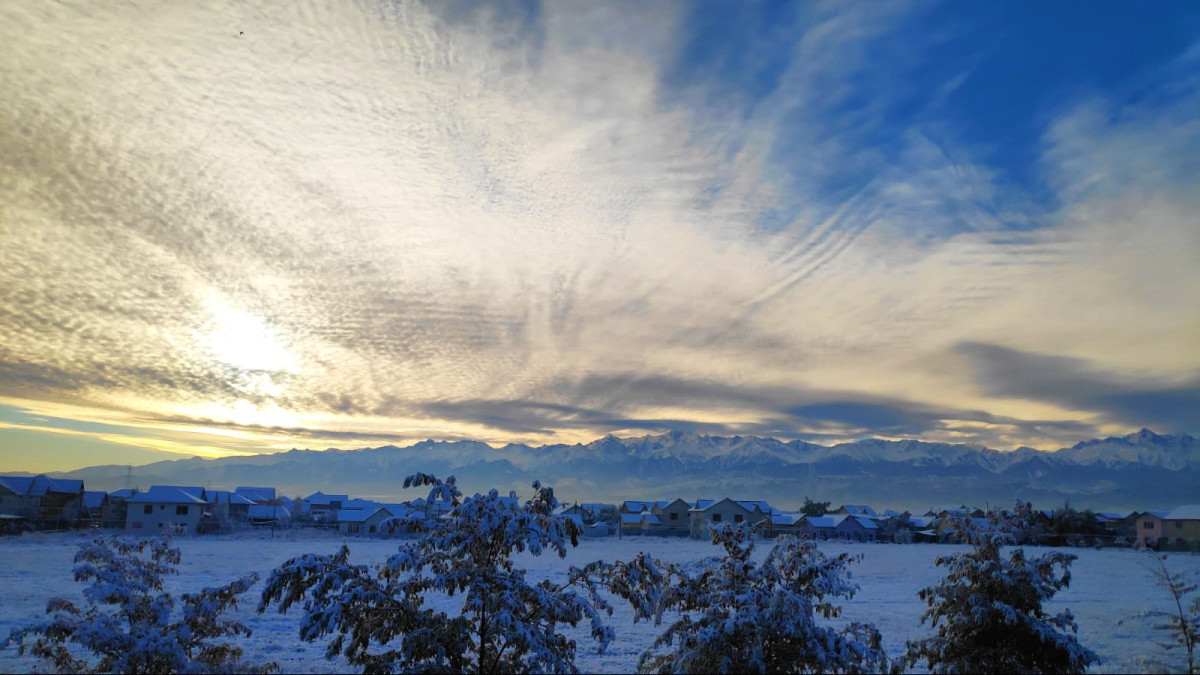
x,y
1183,622
127,625
989,616
736,616
378,616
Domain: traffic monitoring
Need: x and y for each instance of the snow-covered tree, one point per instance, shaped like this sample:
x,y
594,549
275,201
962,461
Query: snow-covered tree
x,y
814,509
378,618
129,624
1183,622
735,616
989,617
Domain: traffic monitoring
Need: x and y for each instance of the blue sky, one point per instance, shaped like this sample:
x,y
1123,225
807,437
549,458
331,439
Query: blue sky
x,y
233,230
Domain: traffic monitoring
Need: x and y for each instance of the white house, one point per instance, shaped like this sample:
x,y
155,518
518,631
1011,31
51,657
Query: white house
x,y
166,508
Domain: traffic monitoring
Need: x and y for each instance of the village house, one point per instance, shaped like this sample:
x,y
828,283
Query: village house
x,y
726,511
258,495
166,508
855,510
323,508
362,521
629,506
1178,527
227,509
43,502
643,522
268,514
838,526
1149,526
592,512
665,517
781,523
96,508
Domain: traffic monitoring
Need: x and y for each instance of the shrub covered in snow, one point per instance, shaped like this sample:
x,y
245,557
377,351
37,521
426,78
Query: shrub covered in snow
x,y
989,616
377,616
128,625
736,616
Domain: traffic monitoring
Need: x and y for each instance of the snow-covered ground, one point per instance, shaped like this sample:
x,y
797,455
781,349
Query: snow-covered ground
x,y
1107,586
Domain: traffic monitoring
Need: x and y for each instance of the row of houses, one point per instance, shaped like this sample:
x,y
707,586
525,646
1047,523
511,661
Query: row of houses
x,y
1176,528
680,517
41,502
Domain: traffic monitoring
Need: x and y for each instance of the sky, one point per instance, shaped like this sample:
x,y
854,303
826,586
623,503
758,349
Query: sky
x,y
233,228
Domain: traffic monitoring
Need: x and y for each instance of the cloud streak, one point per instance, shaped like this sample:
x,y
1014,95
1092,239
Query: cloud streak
x,y
404,221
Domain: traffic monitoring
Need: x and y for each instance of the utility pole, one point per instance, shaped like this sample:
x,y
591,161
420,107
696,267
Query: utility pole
x,y
129,477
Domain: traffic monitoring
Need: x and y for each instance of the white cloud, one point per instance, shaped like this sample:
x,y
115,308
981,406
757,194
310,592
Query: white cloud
x,y
395,205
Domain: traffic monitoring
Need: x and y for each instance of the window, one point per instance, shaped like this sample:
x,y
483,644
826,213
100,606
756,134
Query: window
x,y
148,509
181,510
371,528
1147,525
674,516
716,517
737,517
353,527
1179,524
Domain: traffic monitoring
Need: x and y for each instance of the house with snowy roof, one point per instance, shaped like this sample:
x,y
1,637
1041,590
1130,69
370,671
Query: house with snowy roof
x,y
95,507
166,508
783,522
362,521
227,508
1178,527
268,514
839,526
948,510
726,511
592,512
856,510
258,495
322,507
643,522
47,503
666,517
631,506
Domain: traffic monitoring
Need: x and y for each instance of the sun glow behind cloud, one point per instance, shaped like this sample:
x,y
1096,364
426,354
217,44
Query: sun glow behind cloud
x,y
320,224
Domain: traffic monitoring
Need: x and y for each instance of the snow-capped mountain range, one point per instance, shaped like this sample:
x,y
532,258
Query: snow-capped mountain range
x,y
1139,471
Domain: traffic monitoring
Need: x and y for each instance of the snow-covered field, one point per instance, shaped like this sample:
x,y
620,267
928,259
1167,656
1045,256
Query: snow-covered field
x,y
1107,586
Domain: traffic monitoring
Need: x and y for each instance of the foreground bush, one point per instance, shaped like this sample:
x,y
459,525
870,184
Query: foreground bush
x,y
128,624
989,617
377,616
738,617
